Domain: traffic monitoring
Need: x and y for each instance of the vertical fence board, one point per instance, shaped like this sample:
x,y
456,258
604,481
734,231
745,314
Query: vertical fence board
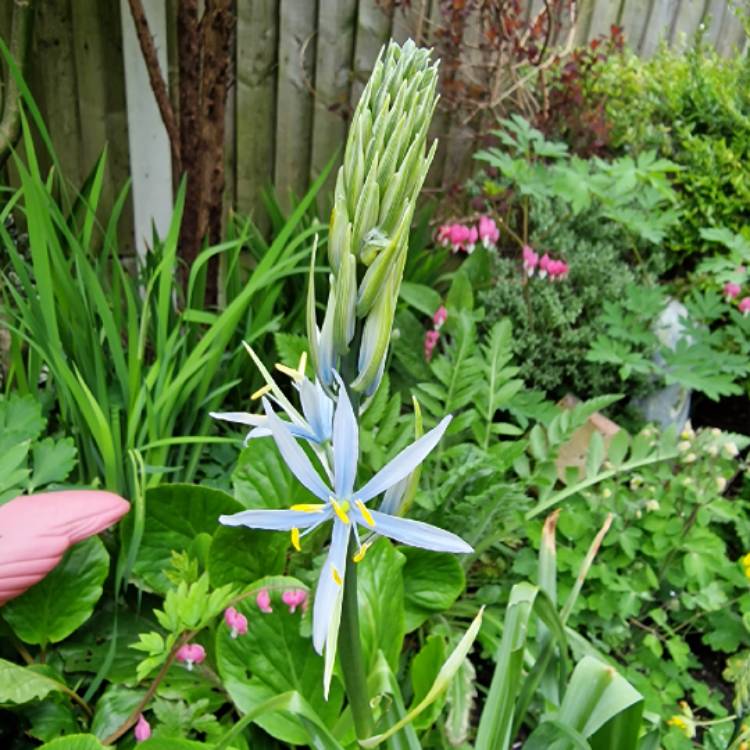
x,y
373,31
633,19
712,19
687,22
255,85
441,120
333,63
727,39
53,81
658,28
100,78
294,97
603,15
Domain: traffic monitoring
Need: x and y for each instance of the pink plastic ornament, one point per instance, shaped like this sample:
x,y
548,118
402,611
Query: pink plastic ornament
x,y
36,531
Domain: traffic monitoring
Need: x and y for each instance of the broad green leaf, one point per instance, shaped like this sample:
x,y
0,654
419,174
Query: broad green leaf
x,y
50,718
432,583
381,603
239,556
262,480
422,298
62,601
275,657
74,742
178,516
113,708
23,684
53,461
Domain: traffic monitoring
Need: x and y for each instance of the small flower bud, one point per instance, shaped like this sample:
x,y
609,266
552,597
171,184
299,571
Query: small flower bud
x,y
142,729
294,599
236,621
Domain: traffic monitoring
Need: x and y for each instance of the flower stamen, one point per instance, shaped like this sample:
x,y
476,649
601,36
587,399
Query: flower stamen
x,y
339,510
361,552
261,392
295,540
336,576
308,507
369,520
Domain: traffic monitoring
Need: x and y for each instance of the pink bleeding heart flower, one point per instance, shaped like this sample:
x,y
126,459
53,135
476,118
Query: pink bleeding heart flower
x,y
489,234
471,243
558,269
190,654
440,316
142,729
459,237
544,264
236,621
263,601
294,598
430,342
744,305
732,290
444,234
530,259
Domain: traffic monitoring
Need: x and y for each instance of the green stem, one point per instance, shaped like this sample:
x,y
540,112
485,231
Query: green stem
x,y
350,652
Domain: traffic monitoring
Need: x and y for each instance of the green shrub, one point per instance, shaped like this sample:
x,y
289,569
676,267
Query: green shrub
x,y
694,108
553,332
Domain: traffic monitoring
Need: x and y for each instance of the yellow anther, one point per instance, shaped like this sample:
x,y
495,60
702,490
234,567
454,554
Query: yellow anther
x,y
336,577
260,392
295,540
309,507
361,552
365,513
292,373
339,510
302,364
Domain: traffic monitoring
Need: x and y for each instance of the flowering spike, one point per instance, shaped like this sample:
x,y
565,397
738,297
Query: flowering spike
x,y
383,170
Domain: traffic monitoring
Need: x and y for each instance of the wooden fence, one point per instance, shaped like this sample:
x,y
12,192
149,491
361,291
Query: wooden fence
x,y
299,66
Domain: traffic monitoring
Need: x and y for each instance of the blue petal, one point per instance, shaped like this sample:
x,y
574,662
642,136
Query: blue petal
x,y
240,417
393,497
327,594
274,520
417,534
403,465
317,408
294,456
345,444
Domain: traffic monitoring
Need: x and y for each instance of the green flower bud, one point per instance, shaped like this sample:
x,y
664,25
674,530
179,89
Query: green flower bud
x,y
383,170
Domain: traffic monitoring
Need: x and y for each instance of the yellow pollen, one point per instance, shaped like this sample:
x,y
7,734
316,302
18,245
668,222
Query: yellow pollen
x,y
336,577
365,513
260,392
292,373
339,510
308,507
361,552
295,540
